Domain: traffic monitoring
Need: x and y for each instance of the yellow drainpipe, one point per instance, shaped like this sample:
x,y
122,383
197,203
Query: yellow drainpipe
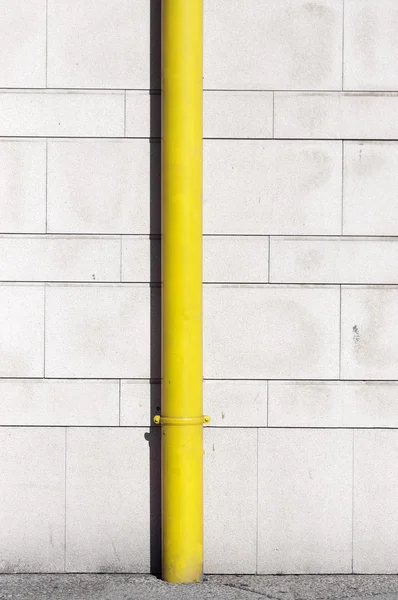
x,y
182,411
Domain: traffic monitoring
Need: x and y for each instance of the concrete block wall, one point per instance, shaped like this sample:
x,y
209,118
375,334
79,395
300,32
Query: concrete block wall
x,y
300,294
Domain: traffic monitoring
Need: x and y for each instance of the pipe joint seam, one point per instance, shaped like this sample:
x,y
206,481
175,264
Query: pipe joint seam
x,y
160,420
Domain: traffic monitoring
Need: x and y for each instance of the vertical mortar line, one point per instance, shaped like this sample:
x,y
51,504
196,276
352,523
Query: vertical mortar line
x,y
65,497
44,328
46,184
267,400
273,114
120,397
342,187
121,259
269,259
125,112
46,49
340,338
342,49
352,502
257,519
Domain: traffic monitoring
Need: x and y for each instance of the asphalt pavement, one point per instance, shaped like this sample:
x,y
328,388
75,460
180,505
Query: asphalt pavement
x,y
214,587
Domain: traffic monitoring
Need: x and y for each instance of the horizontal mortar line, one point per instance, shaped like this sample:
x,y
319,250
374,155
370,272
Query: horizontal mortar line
x,y
82,379
266,284
81,138
158,236
315,427
71,281
78,137
340,91
72,234
83,90
90,283
324,283
300,236
76,281
120,283
267,90
298,379
329,427
301,91
79,426
89,90
80,282
157,381
294,283
157,283
335,236
66,573
152,425
302,139
157,138
158,90
144,380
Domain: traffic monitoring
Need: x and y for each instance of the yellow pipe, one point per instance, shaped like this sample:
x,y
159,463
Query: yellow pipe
x,y
182,420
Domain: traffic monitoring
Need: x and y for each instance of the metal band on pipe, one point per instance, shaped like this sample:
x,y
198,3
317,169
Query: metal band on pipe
x,y
160,420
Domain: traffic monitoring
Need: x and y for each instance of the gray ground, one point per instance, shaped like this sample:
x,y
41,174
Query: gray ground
x,y
222,587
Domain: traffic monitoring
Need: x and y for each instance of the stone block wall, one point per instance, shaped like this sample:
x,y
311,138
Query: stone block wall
x,y
300,285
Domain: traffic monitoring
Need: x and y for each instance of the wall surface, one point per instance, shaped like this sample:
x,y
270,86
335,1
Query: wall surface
x,y
301,285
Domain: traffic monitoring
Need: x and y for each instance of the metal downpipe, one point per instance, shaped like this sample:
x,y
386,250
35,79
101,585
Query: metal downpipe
x,y
182,411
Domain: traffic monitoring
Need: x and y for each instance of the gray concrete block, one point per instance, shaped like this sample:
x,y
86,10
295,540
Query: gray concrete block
x,y
272,187
99,186
137,400
238,114
305,501
323,115
21,330
273,332
97,331
369,345
333,260
370,189
32,499
141,258
23,44
230,498
370,45
98,45
59,402
333,404
375,507
285,44
23,186
107,500
235,403
240,259
61,113
59,258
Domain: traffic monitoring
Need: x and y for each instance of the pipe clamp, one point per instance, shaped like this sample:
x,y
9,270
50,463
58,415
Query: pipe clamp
x,y
159,420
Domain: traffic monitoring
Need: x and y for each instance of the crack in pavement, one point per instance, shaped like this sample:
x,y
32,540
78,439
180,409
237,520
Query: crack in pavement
x,y
243,588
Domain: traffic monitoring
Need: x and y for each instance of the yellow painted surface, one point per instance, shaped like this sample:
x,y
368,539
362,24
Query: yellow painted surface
x,y
182,441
